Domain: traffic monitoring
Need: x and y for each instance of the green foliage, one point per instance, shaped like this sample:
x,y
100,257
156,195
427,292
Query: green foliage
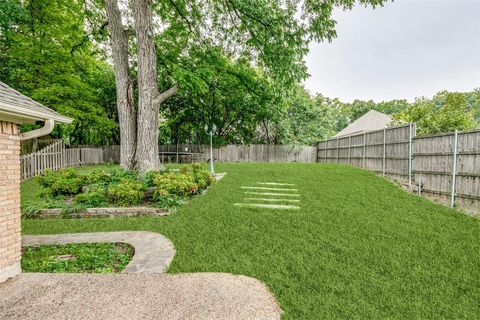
x,y
446,112
171,183
86,258
46,53
91,199
101,177
168,201
62,182
126,193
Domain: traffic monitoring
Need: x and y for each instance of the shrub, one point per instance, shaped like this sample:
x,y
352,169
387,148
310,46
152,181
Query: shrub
x,y
62,182
99,177
118,175
91,199
126,193
175,184
168,201
203,178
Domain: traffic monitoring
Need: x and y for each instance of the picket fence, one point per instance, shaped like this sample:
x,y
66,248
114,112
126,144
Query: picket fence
x,y
444,167
56,156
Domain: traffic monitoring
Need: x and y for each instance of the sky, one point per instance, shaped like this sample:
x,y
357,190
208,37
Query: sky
x,y
403,50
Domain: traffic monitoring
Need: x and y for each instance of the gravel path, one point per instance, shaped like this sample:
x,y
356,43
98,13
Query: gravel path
x,y
153,252
136,296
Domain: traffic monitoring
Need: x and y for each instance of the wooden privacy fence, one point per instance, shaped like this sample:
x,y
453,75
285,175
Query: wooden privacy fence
x,y
229,153
56,156
445,167
248,152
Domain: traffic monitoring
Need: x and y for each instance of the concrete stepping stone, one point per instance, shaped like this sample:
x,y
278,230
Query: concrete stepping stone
x,y
153,252
273,194
268,206
271,200
269,188
275,184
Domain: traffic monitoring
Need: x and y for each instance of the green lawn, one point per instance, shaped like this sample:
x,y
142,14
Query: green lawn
x,y
359,247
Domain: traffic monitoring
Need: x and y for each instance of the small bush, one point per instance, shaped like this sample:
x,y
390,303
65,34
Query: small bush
x,y
119,175
91,199
99,177
175,184
62,182
203,178
126,193
168,201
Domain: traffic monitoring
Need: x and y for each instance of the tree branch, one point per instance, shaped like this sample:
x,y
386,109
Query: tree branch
x,y
166,94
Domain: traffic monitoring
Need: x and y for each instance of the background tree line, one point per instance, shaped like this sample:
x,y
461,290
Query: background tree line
x,y
56,53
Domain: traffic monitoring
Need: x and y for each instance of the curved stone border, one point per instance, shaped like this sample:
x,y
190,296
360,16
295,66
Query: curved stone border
x,y
153,252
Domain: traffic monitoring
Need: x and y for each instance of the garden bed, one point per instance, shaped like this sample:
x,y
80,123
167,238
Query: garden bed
x,y
77,258
114,192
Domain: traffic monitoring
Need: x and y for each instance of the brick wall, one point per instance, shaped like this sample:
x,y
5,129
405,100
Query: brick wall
x,y
10,244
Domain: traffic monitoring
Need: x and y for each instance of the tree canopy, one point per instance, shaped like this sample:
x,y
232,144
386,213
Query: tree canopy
x,y
238,64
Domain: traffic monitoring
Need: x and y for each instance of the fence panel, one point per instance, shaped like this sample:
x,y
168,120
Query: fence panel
x,y
383,151
427,161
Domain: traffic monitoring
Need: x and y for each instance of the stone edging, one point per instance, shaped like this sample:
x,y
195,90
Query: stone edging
x,y
103,212
153,252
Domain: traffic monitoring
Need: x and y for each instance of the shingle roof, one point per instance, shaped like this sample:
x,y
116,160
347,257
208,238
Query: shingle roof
x,y
23,105
372,120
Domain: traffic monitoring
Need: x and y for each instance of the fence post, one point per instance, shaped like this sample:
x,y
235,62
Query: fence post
x,y
410,154
384,150
349,148
326,146
338,151
454,168
364,150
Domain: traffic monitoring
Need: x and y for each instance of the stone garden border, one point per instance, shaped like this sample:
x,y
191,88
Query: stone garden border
x,y
103,213
153,252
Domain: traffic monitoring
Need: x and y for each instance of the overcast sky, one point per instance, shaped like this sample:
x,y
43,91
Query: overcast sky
x,y
405,49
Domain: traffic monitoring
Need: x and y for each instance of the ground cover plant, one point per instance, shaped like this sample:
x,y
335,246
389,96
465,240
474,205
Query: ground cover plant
x,y
358,247
74,190
77,258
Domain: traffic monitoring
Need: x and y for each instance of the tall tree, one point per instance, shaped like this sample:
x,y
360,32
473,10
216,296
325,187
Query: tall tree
x,y
124,83
273,35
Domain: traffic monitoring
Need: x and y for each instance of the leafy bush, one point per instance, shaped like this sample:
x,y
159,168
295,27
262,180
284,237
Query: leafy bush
x,y
168,201
118,175
62,182
99,177
174,184
91,199
127,192
203,178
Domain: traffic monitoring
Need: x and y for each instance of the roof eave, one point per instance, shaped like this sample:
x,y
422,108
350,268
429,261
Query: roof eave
x,y
28,115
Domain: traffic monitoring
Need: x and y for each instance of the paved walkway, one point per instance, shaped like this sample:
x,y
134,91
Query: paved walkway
x,y
141,292
153,252
136,296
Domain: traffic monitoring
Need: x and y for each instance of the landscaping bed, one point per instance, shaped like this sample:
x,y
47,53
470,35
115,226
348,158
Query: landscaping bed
x,y
112,192
77,258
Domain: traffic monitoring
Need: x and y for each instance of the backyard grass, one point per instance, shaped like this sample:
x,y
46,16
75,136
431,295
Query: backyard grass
x,y
82,257
358,247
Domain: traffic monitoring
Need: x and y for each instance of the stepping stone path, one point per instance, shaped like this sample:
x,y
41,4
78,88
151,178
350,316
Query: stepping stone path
x,y
270,195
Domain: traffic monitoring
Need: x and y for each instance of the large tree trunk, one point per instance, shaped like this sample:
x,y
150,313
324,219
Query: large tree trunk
x,y
149,99
124,86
